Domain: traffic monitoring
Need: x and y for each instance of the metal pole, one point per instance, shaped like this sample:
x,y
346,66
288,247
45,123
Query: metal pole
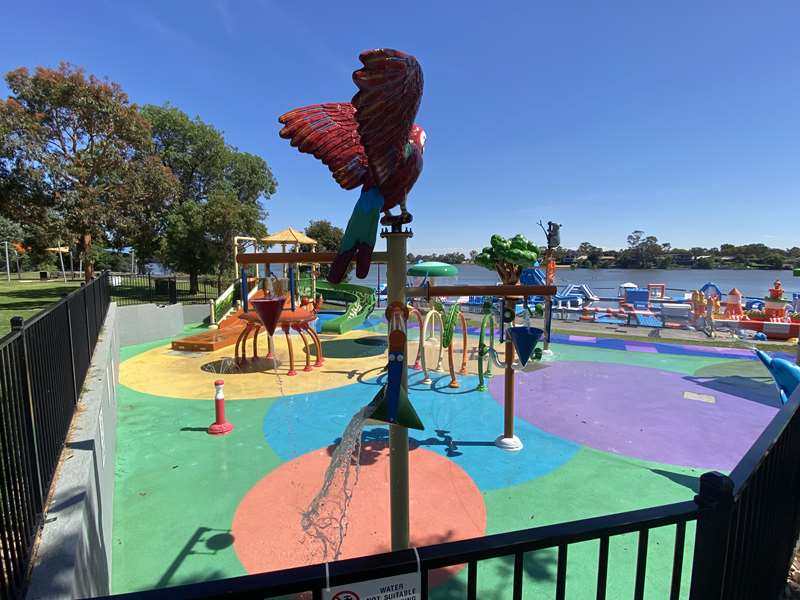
x,y
133,262
244,289
548,301
291,287
314,276
61,260
8,264
508,416
398,435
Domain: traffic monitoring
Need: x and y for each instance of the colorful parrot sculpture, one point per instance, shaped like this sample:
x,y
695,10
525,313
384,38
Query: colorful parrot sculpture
x,y
371,142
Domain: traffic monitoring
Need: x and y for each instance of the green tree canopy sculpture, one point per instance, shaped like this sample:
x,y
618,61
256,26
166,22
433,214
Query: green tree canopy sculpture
x,y
508,257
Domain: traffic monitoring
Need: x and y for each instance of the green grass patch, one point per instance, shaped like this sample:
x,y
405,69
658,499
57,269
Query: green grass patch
x,y
25,298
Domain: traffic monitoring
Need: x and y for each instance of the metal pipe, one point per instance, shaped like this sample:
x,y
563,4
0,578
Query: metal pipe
x,y
398,435
291,286
287,258
245,290
60,258
508,415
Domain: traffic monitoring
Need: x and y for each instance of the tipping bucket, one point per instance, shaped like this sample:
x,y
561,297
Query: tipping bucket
x,y
269,311
524,340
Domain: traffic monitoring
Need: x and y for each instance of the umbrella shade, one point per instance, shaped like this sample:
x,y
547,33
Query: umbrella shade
x,y
432,269
269,311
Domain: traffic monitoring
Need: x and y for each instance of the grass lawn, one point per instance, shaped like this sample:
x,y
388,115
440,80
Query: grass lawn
x,y
27,297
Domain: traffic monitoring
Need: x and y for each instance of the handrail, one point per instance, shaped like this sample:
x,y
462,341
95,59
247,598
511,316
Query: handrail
x,y
52,307
291,258
759,451
352,570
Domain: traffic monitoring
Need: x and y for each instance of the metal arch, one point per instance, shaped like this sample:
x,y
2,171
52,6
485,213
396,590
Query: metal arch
x,y
486,352
430,318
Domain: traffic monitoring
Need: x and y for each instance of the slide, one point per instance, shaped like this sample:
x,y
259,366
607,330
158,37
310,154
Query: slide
x,y
647,319
225,335
359,299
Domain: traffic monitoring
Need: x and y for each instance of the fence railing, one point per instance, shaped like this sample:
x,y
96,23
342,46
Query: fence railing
x,y
750,521
747,525
129,289
43,365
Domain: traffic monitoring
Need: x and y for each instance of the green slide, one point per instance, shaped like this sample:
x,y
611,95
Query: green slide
x,y
360,303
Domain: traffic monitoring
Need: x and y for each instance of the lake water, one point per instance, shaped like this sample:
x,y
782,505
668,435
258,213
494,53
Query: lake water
x,y
605,282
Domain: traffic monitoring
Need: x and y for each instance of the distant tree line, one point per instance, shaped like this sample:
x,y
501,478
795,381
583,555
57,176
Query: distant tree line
x,y
646,252
83,167
452,258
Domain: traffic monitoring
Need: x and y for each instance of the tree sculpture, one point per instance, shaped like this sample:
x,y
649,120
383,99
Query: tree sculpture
x,y
508,257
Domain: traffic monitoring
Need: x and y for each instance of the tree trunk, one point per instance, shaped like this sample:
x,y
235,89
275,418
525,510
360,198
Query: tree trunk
x,y
88,263
193,283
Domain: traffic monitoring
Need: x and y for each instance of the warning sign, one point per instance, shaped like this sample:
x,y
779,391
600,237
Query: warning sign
x,y
400,587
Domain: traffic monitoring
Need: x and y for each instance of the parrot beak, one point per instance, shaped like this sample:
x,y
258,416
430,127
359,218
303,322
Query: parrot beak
x,y
406,415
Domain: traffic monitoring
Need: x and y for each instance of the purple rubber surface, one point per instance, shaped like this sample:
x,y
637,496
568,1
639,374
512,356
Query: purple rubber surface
x,y
638,412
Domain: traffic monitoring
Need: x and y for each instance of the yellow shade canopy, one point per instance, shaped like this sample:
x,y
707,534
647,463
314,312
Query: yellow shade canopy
x,y
289,236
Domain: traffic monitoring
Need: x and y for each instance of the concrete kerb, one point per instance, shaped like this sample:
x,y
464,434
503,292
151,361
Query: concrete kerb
x,y
73,558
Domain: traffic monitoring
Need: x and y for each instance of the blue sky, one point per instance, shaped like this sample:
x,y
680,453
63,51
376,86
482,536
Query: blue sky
x,y
681,119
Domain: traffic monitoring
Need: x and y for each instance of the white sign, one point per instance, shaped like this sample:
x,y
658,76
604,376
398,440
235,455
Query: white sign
x,y
400,587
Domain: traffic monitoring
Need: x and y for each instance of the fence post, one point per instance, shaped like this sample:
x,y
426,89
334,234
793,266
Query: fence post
x,y
149,289
715,501
173,290
18,325
71,352
86,314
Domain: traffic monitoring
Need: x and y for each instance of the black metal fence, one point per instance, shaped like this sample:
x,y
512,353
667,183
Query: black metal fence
x,y
747,525
750,521
43,364
169,289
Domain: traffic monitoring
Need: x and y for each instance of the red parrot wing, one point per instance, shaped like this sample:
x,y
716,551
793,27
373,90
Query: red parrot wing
x,y
389,91
330,133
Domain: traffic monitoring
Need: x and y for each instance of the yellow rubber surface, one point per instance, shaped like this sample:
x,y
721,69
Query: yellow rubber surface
x,y
166,372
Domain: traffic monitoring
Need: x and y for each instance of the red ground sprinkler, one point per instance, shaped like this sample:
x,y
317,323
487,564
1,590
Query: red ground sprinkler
x,y
220,426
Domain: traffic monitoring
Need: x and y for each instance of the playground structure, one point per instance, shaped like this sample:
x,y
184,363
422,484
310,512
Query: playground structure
x,y
428,313
393,406
390,406
634,307
775,319
271,312
704,309
236,326
359,302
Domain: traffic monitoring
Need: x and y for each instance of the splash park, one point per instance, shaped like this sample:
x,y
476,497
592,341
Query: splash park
x,y
606,426
319,439
303,476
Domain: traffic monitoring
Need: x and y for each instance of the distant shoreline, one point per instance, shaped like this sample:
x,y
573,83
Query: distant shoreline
x,y
672,268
